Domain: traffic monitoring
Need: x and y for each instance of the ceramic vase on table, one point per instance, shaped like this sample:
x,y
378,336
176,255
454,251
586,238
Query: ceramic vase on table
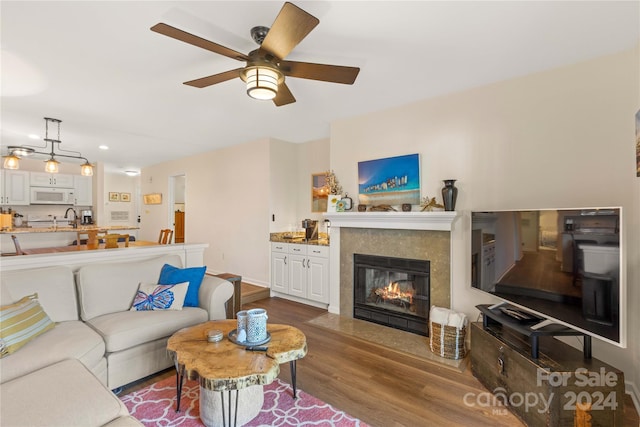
x,y
449,194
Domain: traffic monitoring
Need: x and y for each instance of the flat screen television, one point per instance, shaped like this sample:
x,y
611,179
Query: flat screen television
x,y
562,265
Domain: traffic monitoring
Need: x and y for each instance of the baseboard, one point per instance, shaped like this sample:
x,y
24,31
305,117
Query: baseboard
x,y
300,300
245,279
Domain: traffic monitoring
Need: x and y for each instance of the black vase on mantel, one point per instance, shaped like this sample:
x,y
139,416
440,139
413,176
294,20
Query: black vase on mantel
x,y
449,194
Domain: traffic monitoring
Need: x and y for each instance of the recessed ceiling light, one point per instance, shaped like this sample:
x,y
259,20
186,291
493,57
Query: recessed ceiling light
x,y
132,173
103,147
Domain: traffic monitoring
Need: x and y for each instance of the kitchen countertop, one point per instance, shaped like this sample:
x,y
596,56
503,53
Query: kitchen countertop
x,y
298,238
67,229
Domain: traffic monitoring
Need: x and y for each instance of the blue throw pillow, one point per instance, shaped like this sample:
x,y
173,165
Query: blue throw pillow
x,y
170,275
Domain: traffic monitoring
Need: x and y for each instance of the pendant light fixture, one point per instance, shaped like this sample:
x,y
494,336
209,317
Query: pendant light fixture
x,y
12,159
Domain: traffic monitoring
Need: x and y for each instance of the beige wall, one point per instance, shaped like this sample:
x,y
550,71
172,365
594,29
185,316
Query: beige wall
x,y
227,206
563,138
118,183
313,157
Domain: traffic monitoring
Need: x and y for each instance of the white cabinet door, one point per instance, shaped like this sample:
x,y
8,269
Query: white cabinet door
x,y
62,180
318,279
40,179
298,275
280,272
83,190
15,187
59,180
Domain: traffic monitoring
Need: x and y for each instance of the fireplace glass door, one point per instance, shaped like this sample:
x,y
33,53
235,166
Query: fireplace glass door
x,y
392,291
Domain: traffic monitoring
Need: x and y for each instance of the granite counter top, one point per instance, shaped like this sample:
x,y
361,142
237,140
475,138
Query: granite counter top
x,y
23,230
298,238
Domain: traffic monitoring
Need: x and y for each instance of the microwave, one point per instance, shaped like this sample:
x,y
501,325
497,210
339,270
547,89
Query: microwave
x,y
52,196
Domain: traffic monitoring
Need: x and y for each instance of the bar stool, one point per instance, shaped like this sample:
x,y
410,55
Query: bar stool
x,y
165,236
111,240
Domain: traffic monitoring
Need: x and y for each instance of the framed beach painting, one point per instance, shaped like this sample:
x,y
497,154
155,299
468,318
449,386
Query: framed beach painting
x,y
389,181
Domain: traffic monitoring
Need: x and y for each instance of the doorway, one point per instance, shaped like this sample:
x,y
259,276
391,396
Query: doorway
x,y
177,206
529,225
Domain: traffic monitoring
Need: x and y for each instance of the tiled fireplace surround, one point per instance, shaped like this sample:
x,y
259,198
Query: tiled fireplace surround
x,y
415,235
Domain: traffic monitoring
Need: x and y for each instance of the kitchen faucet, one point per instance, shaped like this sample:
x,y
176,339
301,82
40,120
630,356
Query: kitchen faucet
x,y
75,217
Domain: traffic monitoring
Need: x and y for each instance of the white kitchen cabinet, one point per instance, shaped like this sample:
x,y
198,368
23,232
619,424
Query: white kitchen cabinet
x,y
297,270
83,190
301,271
318,274
58,180
14,189
280,267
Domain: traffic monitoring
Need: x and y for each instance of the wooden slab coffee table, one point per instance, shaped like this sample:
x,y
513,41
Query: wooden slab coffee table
x,y
226,366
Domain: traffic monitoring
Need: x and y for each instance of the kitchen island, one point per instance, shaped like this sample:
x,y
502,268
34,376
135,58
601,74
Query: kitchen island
x,y
46,237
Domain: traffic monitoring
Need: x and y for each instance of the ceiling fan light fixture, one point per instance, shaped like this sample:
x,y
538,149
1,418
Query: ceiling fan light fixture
x,y
262,82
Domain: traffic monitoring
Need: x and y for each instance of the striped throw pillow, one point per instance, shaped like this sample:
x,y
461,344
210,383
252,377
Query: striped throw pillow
x,y
21,322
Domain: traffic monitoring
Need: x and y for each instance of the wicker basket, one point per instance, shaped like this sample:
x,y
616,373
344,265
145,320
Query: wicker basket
x,y
447,341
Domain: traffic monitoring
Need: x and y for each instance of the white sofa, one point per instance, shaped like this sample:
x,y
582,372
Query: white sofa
x,y
94,324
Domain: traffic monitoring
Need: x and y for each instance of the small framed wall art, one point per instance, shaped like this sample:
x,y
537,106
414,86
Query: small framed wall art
x,y
125,197
152,199
319,192
114,197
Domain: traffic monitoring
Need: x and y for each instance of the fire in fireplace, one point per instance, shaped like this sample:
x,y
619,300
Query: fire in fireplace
x,y
392,291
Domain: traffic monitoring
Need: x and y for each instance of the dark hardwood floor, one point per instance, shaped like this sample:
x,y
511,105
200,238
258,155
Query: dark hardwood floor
x,y
377,385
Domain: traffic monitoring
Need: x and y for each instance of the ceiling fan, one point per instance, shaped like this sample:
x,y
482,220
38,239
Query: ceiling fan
x,y
265,69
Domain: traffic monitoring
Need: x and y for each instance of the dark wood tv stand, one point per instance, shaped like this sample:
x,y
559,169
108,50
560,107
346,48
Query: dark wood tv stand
x,y
528,329
545,390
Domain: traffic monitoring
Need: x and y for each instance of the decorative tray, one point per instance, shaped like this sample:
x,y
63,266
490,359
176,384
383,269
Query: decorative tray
x,y
233,337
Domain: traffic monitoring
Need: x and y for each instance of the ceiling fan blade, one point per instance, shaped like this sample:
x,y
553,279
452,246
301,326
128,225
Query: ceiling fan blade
x,y
291,26
284,96
216,78
183,36
322,72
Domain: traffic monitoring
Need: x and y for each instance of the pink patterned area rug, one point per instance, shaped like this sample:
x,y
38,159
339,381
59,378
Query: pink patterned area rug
x,y
155,406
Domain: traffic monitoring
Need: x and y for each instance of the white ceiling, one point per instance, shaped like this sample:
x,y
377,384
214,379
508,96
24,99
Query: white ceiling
x,y
96,65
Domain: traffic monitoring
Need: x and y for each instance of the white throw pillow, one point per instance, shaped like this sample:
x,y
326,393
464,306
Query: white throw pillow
x,y
151,296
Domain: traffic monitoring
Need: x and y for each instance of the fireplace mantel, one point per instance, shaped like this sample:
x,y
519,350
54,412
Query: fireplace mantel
x,y
437,221
422,221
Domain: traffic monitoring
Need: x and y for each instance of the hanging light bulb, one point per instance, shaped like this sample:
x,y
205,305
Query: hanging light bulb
x,y
51,165
86,169
11,161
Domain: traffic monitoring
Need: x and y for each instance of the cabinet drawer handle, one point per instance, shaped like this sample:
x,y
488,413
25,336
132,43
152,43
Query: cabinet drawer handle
x,y
303,266
285,260
500,366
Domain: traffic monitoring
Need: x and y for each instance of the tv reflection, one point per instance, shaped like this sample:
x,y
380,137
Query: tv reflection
x,y
563,264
